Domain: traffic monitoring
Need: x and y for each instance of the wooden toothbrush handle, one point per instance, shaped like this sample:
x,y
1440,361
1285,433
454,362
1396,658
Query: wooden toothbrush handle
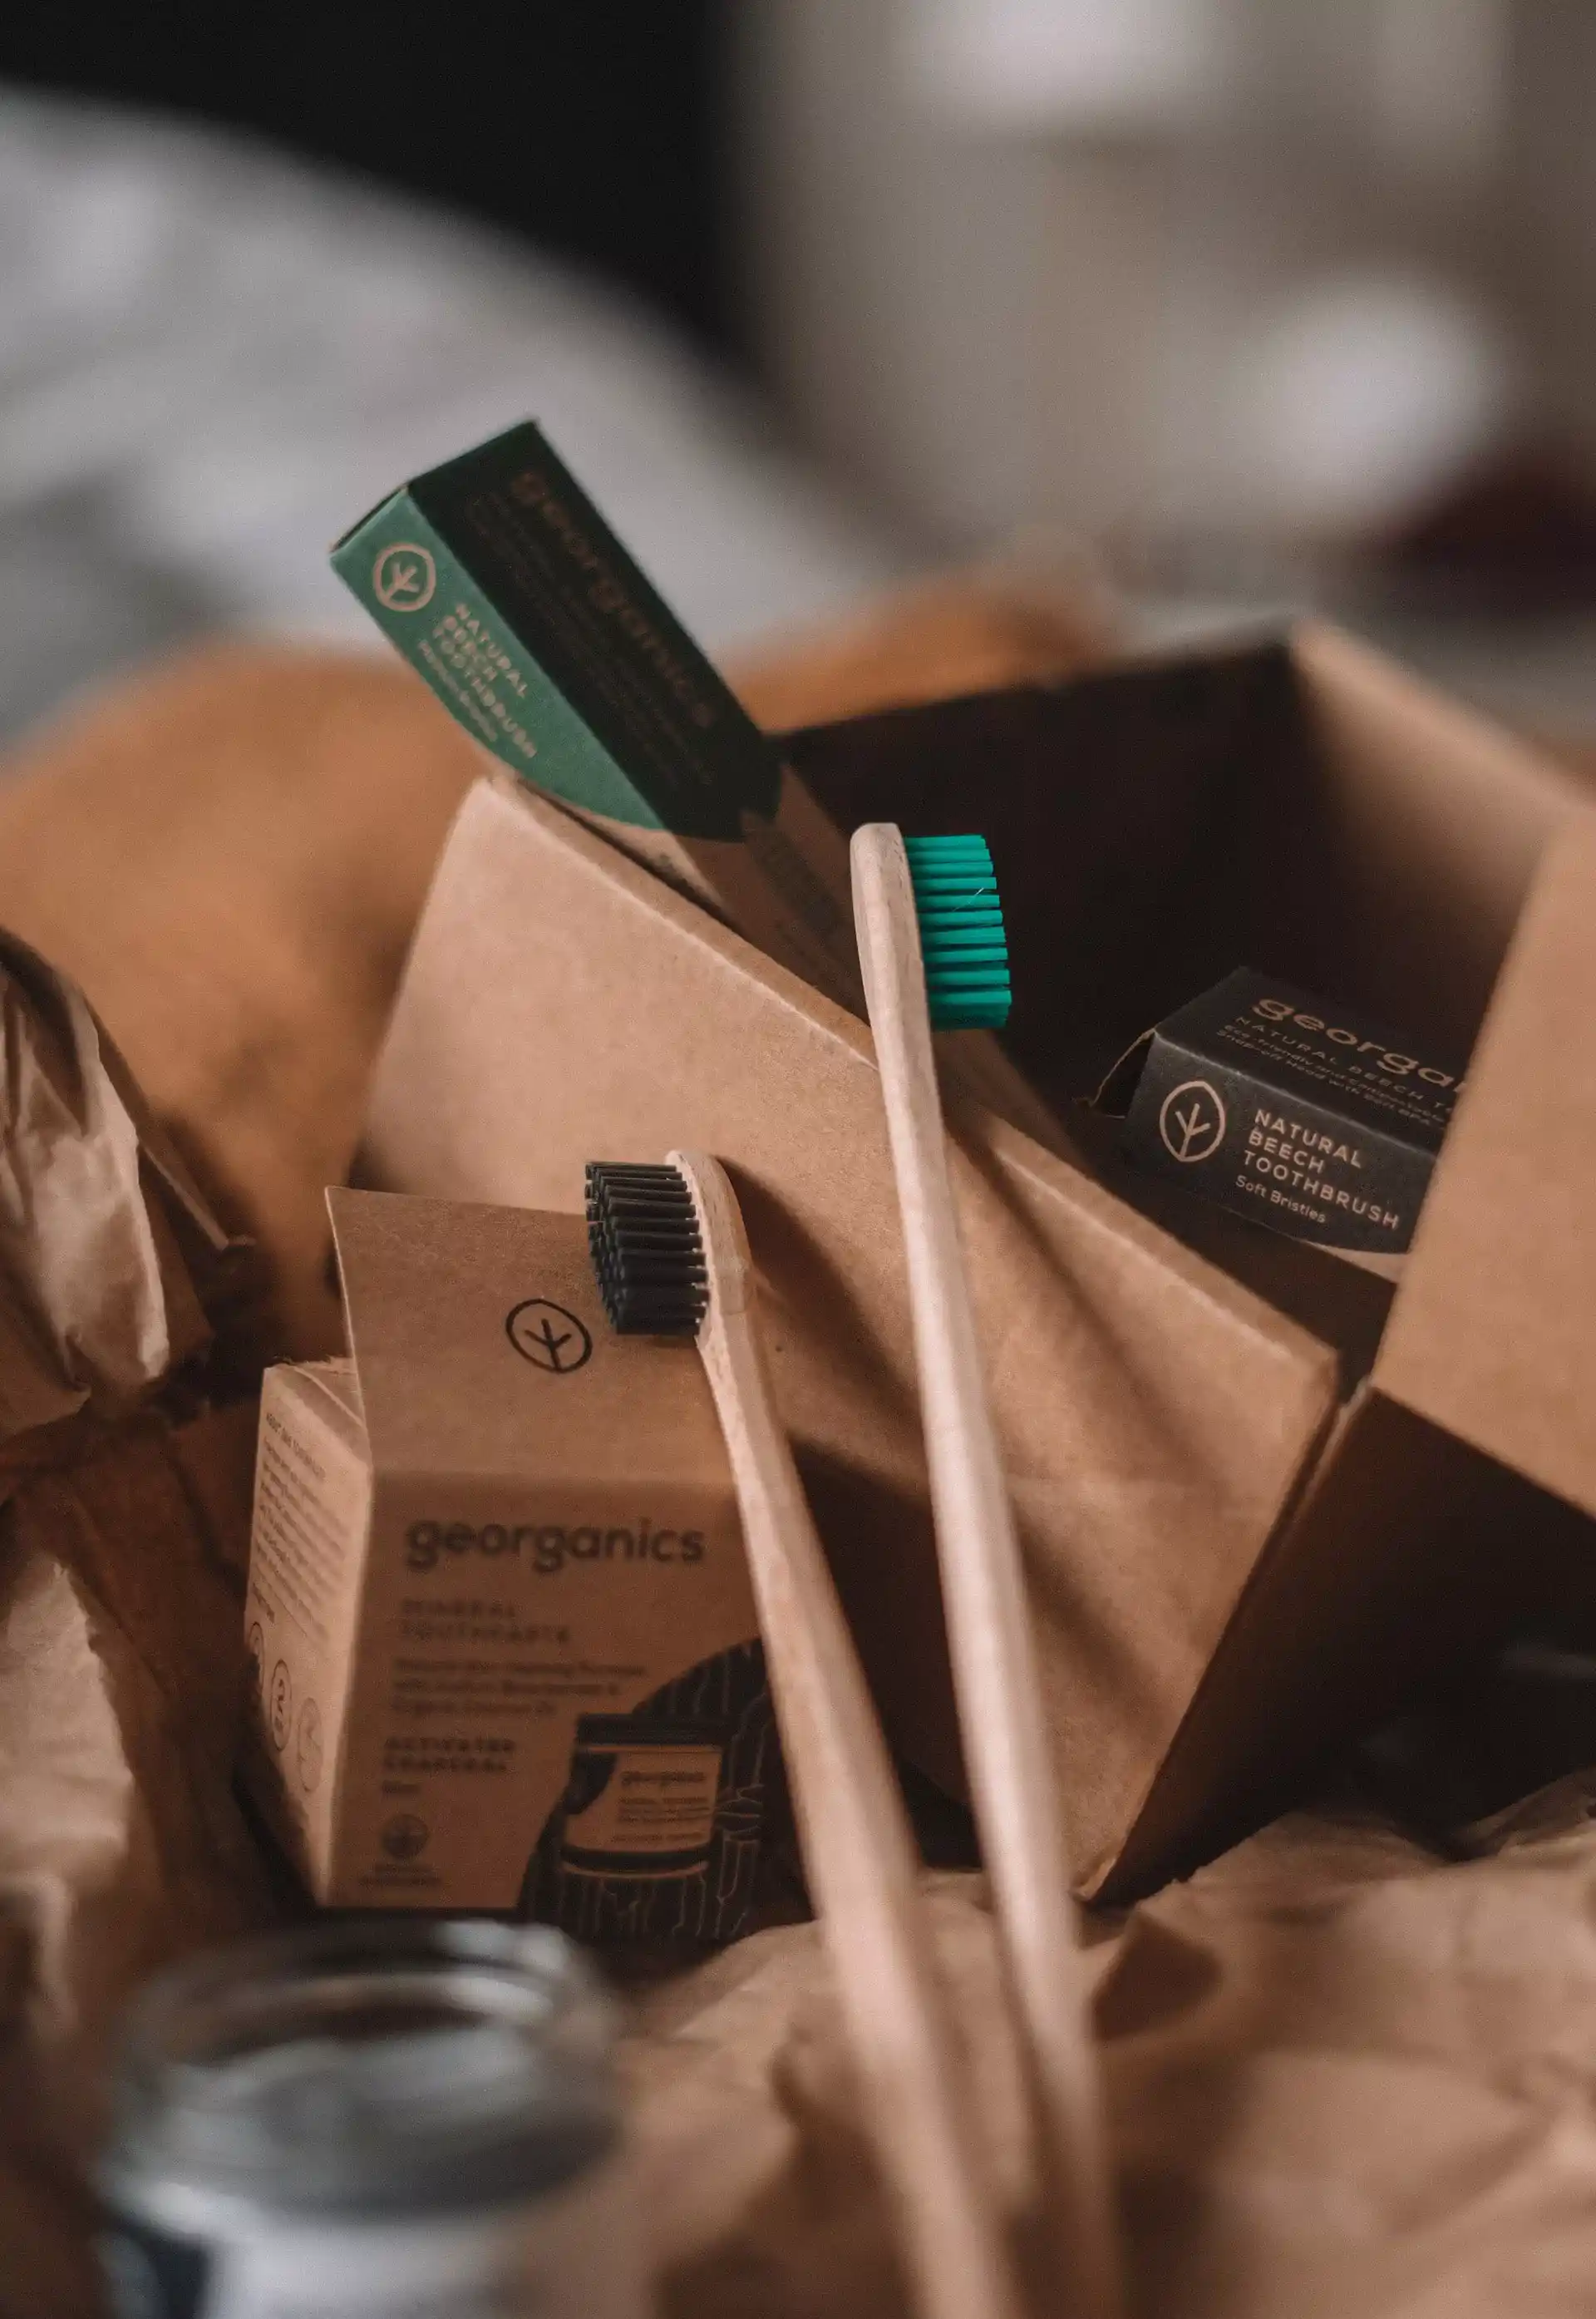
x,y
1007,1748
858,1848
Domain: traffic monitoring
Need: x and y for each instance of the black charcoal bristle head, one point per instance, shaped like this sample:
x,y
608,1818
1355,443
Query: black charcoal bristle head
x,y
643,1235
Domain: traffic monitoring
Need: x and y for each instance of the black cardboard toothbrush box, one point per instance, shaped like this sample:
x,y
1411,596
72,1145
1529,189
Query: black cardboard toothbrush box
x,y
1305,1116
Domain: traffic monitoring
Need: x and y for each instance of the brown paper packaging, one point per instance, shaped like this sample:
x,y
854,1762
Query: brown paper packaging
x,y
123,1534
1347,2079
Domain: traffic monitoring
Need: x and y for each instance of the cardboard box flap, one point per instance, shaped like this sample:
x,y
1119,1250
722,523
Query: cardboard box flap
x,y
1440,819
1390,1569
467,1330
1493,1335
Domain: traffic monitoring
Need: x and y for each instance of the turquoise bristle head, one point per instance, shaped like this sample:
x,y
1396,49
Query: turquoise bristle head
x,y
962,935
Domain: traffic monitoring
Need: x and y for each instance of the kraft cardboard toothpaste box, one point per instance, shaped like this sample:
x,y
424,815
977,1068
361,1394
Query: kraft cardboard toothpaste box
x,y
507,1651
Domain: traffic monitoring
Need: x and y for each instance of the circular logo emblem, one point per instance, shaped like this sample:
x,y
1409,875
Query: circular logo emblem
x,y
1192,1121
404,1836
280,1703
404,577
308,1747
549,1336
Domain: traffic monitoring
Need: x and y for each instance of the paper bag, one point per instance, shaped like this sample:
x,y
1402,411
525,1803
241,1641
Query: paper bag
x,y
122,1556
104,1242
1348,2079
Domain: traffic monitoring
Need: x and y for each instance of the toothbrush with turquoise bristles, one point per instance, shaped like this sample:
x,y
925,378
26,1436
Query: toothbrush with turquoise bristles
x,y
934,954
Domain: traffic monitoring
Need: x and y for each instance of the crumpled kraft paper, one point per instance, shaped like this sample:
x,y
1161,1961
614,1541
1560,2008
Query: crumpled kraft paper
x,y
122,1554
122,1677
100,1231
122,1542
1348,2080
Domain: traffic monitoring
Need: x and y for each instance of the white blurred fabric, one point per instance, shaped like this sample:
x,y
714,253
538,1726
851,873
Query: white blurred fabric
x,y
212,359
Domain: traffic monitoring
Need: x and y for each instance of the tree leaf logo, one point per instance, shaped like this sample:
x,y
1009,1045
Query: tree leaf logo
x,y
404,577
1192,1122
549,1336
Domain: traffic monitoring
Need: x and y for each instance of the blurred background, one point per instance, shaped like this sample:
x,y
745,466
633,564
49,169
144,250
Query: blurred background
x,y
1221,309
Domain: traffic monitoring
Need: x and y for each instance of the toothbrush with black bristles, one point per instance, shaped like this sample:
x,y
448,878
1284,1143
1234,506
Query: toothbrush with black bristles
x,y
671,1259
933,954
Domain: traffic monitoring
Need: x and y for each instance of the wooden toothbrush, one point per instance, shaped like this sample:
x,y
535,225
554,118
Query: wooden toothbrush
x,y
671,1259
932,951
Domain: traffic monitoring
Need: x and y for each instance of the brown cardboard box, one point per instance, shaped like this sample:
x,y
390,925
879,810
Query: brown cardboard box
x,y
1250,1516
505,1638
